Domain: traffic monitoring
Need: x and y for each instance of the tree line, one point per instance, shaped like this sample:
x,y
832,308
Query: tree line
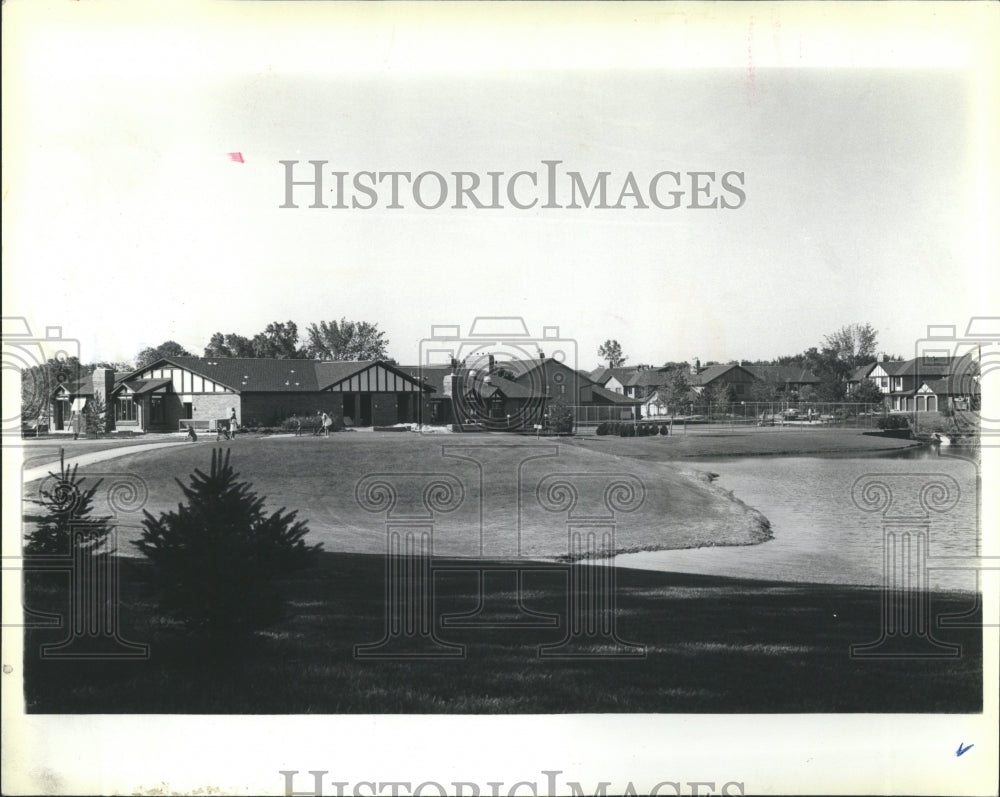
x,y
833,361
326,340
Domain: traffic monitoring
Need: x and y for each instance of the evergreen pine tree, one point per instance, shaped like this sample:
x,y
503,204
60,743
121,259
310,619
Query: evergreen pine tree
x,y
66,523
218,558
94,416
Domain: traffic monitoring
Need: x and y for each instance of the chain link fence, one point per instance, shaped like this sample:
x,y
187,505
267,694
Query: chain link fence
x,y
746,414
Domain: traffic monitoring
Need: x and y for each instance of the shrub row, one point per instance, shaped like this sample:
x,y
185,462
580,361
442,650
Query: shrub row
x,y
632,429
893,422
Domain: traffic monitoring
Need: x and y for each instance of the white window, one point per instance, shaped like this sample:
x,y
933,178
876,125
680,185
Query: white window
x,y
125,409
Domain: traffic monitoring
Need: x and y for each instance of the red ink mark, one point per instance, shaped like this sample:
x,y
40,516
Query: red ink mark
x,y
236,157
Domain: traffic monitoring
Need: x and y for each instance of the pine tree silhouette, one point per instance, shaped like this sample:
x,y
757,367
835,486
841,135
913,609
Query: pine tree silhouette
x,y
218,559
67,523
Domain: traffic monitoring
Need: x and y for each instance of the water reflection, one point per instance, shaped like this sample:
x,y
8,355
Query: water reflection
x,y
819,534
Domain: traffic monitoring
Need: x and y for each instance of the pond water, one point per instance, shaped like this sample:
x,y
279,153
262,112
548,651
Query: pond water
x,y
820,535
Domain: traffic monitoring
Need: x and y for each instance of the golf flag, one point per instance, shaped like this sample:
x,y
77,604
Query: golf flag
x,y
236,157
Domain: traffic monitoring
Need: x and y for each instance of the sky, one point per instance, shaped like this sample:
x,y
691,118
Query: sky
x,y
126,224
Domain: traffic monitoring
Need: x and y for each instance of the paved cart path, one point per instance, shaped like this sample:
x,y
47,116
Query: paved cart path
x,y
41,471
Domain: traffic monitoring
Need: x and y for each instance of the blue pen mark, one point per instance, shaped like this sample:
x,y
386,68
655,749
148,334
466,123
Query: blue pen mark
x,y
963,749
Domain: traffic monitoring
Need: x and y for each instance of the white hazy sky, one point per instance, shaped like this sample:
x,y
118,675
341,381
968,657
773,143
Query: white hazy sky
x,y
126,224
867,134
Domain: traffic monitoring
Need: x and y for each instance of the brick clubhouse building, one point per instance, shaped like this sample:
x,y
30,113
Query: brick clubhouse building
x,y
175,392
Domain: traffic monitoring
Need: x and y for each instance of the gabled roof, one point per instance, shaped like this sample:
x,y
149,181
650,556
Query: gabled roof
x,y
514,389
614,398
925,366
266,374
603,375
432,375
330,372
951,387
487,386
142,386
81,387
527,366
249,373
84,386
713,372
649,377
783,374
861,372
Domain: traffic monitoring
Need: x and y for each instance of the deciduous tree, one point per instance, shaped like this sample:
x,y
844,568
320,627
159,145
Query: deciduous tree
x,y
346,340
853,344
231,345
280,340
611,351
169,348
868,393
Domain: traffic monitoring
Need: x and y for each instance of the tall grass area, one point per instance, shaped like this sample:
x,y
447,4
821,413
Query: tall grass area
x,y
712,645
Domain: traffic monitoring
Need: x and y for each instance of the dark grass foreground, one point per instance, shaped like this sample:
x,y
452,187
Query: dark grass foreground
x,y
714,645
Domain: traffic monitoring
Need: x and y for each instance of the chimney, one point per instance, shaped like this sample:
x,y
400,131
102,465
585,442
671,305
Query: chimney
x,y
104,383
493,364
695,366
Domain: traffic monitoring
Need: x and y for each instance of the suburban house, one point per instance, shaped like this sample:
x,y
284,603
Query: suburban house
x,y
613,379
737,377
634,381
199,392
514,394
923,384
789,380
72,398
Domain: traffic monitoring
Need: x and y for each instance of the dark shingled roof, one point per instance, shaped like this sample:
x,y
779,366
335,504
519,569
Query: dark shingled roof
x,y
783,374
952,387
330,372
511,389
706,375
432,375
649,377
622,374
141,386
615,398
258,374
924,366
269,375
85,385
862,372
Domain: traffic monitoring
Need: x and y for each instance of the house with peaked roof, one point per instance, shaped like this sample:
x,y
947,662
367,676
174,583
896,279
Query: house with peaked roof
x,y
199,392
923,384
613,379
72,398
737,377
926,384
514,394
634,381
789,380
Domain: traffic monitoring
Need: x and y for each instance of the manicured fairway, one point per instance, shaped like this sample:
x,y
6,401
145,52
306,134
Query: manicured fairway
x,y
503,510
707,644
